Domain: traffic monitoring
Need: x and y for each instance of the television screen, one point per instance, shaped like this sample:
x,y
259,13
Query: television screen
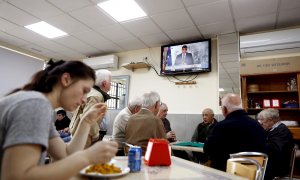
x,y
186,58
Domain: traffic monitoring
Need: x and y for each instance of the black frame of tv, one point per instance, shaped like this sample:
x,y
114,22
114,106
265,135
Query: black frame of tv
x,y
201,53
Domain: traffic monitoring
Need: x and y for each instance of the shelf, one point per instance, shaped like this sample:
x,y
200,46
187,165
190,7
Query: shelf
x,y
133,66
262,92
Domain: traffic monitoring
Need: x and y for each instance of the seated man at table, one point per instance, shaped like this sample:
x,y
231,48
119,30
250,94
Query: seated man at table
x,y
236,133
62,125
145,124
171,136
202,131
280,143
118,133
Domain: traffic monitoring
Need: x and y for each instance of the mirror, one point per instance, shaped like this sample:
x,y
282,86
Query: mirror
x,y
119,90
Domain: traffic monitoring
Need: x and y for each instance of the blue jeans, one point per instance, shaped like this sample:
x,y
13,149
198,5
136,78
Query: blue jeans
x,y
65,136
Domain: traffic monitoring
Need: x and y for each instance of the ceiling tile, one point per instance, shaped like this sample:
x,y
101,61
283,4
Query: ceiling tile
x,y
131,44
12,40
156,40
141,27
6,25
246,8
189,3
77,45
166,20
67,24
115,33
289,4
96,40
36,49
289,18
184,34
256,23
92,17
158,6
69,5
38,8
211,30
206,14
16,15
26,34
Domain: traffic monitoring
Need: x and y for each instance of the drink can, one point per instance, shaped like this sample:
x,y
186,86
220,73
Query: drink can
x,y
135,158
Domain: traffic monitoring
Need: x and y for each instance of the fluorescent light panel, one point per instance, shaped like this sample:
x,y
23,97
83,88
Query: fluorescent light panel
x,y
46,30
122,10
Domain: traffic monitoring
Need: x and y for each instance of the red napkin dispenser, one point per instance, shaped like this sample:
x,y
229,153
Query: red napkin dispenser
x,y
157,153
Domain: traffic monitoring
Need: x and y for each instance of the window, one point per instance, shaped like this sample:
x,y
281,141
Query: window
x,y
118,92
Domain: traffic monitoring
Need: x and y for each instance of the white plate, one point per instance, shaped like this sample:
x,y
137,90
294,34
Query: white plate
x,y
125,170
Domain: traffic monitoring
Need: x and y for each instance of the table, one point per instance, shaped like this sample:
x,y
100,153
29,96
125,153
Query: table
x,y
186,148
179,169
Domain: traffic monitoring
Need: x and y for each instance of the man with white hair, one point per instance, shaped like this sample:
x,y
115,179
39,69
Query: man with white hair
x,y
280,143
96,95
236,133
118,133
145,124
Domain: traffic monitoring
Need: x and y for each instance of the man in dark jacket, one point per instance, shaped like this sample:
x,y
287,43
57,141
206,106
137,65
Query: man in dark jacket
x,y
236,133
202,132
62,125
280,143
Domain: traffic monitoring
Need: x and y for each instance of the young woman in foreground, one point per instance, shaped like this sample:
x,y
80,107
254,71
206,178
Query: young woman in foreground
x,y
27,130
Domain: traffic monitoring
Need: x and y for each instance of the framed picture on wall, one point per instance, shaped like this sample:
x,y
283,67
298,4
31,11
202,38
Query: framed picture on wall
x,y
275,103
266,103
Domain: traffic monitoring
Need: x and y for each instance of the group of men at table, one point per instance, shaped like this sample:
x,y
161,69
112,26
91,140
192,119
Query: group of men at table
x,y
145,118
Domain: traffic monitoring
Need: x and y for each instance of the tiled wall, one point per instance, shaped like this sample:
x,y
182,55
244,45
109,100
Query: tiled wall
x,y
183,125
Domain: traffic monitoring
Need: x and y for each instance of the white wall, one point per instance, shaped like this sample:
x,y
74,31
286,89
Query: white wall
x,y
181,99
16,70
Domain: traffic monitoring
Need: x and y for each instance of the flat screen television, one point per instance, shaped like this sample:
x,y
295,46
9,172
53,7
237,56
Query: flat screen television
x,y
186,58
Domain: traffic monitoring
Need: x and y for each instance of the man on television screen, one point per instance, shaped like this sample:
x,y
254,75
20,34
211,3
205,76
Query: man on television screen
x,y
184,58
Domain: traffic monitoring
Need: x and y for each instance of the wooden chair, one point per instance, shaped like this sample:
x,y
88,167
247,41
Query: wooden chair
x,y
245,167
261,158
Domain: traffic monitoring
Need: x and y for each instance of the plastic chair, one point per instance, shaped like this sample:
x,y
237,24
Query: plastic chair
x,y
244,167
261,158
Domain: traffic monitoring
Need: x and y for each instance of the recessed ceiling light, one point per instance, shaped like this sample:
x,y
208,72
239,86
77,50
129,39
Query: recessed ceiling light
x,y
122,10
46,30
221,89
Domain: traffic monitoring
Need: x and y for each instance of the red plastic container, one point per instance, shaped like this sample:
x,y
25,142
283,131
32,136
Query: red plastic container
x,y
157,153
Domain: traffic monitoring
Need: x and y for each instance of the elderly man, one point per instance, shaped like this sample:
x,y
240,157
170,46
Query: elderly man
x,y
121,120
236,133
145,124
162,114
202,131
98,94
280,143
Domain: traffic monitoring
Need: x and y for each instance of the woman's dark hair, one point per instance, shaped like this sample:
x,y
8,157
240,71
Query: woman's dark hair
x,y
44,80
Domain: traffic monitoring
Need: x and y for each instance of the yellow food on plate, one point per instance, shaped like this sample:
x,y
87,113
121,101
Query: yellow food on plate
x,y
103,169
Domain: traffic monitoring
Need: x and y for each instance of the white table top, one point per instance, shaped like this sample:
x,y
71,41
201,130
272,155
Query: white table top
x,y
179,169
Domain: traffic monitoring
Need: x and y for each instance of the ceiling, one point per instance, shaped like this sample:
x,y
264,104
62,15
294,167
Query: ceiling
x,y
92,32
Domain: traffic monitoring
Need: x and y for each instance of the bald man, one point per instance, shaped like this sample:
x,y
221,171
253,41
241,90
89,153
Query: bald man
x,y
236,133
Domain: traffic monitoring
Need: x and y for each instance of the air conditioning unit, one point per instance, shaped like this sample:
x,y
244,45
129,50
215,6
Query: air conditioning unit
x,y
270,43
103,62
